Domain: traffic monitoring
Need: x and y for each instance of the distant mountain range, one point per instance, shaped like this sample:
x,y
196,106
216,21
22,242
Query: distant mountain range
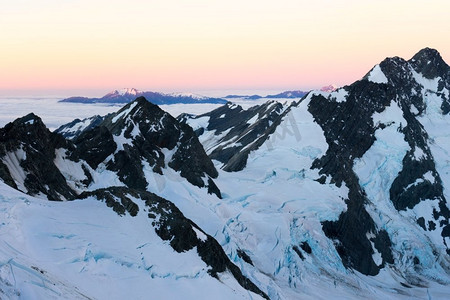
x,y
284,95
127,95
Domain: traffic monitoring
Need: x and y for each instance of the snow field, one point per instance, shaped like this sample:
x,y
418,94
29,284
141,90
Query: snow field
x,y
85,244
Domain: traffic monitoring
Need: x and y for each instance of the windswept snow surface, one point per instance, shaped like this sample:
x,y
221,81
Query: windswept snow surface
x,y
377,75
83,250
12,160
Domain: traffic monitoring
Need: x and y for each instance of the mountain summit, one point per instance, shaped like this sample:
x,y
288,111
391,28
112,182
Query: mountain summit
x,y
430,64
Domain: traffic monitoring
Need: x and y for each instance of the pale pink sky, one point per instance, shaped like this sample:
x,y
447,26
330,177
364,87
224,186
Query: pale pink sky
x,y
99,45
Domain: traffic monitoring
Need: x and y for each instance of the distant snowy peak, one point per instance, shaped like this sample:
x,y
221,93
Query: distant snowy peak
x,y
283,95
187,95
288,94
125,91
329,88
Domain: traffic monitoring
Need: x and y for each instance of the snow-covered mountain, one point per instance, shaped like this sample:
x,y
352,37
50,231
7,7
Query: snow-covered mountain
x,y
343,194
127,95
329,88
380,146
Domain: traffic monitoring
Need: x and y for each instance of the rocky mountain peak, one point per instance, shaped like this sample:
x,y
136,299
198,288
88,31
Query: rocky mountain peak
x,y
27,153
430,64
144,118
29,119
141,133
25,122
29,130
147,109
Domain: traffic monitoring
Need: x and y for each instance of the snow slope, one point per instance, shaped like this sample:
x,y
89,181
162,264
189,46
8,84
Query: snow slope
x,y
83,250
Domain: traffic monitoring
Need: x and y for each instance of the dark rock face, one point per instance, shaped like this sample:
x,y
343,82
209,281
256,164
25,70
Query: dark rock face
x,y
238,131
299,253
430,64
305,246
242,254
349,131
28,138
95,146
111,197
191,166
350,123
171,225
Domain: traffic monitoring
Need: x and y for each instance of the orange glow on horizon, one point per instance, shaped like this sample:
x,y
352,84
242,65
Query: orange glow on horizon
x,y
179,45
